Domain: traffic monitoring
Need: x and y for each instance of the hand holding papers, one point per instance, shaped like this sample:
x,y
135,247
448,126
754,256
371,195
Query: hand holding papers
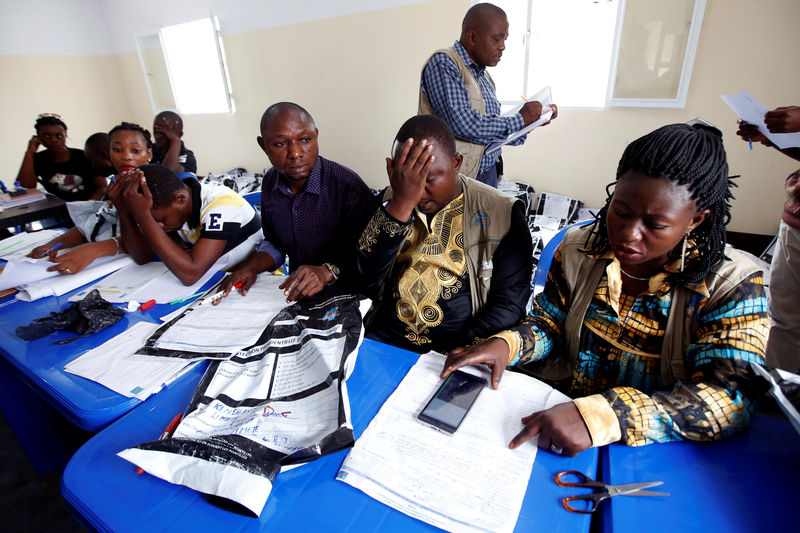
x,y
546,99
433,476
752,111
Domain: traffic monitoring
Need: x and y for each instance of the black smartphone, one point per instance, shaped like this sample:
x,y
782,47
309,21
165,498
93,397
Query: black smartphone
x,y
452,401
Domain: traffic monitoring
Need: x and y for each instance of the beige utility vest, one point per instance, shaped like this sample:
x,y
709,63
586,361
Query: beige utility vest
x,y
583,274
487,219
473,153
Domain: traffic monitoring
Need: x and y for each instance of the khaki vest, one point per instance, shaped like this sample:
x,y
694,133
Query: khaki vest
x,y
583,274
487,219
473,153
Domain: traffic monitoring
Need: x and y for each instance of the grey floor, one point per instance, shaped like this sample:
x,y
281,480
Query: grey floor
x,y
29,502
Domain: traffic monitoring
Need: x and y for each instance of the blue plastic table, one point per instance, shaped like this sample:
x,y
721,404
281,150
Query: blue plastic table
x,y
40,391
107,495
746,483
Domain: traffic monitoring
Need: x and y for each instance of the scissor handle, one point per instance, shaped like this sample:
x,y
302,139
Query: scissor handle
x,y
583,480
593,500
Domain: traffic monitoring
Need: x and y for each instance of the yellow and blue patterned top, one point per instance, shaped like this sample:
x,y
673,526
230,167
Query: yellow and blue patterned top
x,y
617,375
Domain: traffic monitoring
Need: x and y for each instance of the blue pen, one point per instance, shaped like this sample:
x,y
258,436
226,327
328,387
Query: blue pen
x,y
19,186
112,178
56,246
750,143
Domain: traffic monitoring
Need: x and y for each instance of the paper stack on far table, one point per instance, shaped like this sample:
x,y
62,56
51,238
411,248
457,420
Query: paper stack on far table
x,y
468,481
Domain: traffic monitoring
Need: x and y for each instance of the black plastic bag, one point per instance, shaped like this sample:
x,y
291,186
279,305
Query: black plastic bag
x,y
85,317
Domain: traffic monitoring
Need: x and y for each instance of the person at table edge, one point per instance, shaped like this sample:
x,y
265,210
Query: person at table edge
x,y
446,259
312,209
646,319
456,87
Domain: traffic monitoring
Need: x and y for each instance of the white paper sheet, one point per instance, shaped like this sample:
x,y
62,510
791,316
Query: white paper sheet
x,y
151,281
235,323
447,480
21,244
545,98
62,284
110,364
752,111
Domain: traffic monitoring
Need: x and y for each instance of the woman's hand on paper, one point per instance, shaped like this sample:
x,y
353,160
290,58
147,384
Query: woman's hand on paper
x,y
73,261
493,353
561,427
38,252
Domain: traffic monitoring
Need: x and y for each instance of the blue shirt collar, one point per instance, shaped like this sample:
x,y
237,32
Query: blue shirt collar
x,y
459,48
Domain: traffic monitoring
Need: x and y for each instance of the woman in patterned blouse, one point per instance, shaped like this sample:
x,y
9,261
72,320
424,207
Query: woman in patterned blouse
x,y
646,319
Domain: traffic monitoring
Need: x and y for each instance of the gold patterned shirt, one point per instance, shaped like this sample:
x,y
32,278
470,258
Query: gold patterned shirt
x,y
417,273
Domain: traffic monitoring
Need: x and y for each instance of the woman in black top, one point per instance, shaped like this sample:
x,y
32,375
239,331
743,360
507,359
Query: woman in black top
x,y
65,172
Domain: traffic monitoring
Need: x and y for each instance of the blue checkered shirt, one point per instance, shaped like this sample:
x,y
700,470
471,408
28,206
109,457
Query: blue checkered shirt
x,y
442,84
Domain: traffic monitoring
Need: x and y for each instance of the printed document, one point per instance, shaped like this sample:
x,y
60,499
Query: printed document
x,y
58,284
434,476
280,404
112,366
151,281
545,98
208,331
21,244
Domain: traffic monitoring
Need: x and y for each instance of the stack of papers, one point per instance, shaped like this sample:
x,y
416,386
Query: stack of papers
x,y
112,364
21,244
142,283
20,197
34,280
467,481
546,99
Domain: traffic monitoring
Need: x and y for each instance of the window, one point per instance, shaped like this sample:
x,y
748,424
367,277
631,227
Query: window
x,y
596,53
185,68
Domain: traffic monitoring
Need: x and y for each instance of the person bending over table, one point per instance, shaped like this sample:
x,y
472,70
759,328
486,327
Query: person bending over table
x,y
211,221
447,259
312,210
646,319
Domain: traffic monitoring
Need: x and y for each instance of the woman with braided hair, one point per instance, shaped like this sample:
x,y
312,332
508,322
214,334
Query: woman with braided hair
x,y
646,319
65,172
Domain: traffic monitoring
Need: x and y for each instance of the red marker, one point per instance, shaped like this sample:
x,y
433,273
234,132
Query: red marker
x,y
147,305
167,432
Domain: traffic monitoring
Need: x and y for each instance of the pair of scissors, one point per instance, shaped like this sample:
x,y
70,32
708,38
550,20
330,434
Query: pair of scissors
x,y
606,491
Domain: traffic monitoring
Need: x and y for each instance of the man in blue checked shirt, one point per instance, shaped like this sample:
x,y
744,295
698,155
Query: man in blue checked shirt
x,y
456,87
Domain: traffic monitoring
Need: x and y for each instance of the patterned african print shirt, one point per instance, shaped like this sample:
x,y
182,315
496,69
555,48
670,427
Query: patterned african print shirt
x,y
416,271
618,373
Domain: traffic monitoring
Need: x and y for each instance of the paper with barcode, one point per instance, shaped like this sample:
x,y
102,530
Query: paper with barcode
x,y
468,481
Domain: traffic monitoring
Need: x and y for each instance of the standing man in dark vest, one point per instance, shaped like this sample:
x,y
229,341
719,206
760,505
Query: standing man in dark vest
x,y
456,87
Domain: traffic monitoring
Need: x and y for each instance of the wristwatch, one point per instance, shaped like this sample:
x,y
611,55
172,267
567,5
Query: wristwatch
x,y
334,270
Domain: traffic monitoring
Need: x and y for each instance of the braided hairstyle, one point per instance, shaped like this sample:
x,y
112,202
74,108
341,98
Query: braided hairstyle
x,y
49,119
689,155
130,126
